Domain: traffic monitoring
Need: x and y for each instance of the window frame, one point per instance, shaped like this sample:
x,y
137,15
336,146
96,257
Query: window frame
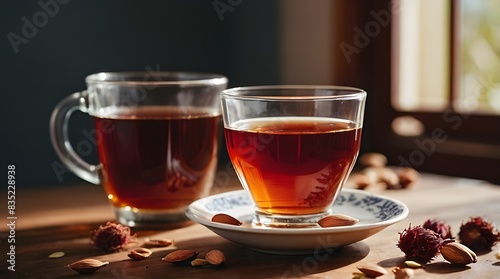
x,y
457,144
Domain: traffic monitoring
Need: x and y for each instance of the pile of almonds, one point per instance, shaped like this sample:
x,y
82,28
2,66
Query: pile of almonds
x,y
184,256
455,253
213,257
374,171
86,266
424,243
181,257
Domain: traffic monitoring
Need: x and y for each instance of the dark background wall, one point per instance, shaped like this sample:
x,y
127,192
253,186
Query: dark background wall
x,y
48,47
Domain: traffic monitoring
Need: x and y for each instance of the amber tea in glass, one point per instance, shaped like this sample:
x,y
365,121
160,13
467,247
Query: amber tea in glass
x,y
156,136
293,147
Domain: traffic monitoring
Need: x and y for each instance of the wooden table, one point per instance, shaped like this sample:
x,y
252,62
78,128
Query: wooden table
x,y
60,219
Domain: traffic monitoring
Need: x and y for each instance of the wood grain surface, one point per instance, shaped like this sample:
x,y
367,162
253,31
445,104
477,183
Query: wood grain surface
x,y
61,218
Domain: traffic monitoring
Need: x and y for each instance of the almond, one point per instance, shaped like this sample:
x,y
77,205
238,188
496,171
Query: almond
x,y
458,254
337,220
87,265
388,177
226,219
180,256
407,176
139,254
215,257
199,262
372,270
373,160
403,273
358,275
361,180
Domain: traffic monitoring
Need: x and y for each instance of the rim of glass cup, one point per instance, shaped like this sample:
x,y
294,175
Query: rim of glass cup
x,y
156,78
344,92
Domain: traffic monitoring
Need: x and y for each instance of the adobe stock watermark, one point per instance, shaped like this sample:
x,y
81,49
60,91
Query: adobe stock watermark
x,y
310,264
363,37
40,19
425,147
223,6
92,138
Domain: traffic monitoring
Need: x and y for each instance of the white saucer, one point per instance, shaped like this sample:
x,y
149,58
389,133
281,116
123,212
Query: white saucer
x,y
375,212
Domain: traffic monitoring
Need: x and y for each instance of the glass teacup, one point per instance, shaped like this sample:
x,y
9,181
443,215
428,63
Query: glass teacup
x,y
293,147
156,135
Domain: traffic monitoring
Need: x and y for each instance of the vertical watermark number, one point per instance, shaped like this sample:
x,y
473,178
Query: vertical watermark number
x,y
11,217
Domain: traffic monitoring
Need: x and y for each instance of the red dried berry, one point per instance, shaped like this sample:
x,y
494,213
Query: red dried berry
x,y
112,237
443,229
420,244
478,234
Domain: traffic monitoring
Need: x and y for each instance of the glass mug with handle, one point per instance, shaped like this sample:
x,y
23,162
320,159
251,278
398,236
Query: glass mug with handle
x,y
156,135
293,147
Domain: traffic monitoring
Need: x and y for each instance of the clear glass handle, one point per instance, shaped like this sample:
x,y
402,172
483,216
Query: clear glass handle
x,y
60,139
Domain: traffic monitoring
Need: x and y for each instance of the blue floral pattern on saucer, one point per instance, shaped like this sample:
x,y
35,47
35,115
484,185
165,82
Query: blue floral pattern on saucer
x,y
375,212
381,208
227,202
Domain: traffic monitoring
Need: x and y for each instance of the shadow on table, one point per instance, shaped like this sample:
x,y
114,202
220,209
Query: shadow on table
x,y
434,267
254,264
242,262
82,230
444,268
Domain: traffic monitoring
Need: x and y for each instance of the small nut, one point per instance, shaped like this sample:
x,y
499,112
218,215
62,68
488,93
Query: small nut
x,y
199,262
226,219
56,255
383,175
372,270
358,275
373,160
87,265
336,220
180,256
158,242
458,254
413,264
388,177
403,273
139,254
215,257
361,180
497,255
407,176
